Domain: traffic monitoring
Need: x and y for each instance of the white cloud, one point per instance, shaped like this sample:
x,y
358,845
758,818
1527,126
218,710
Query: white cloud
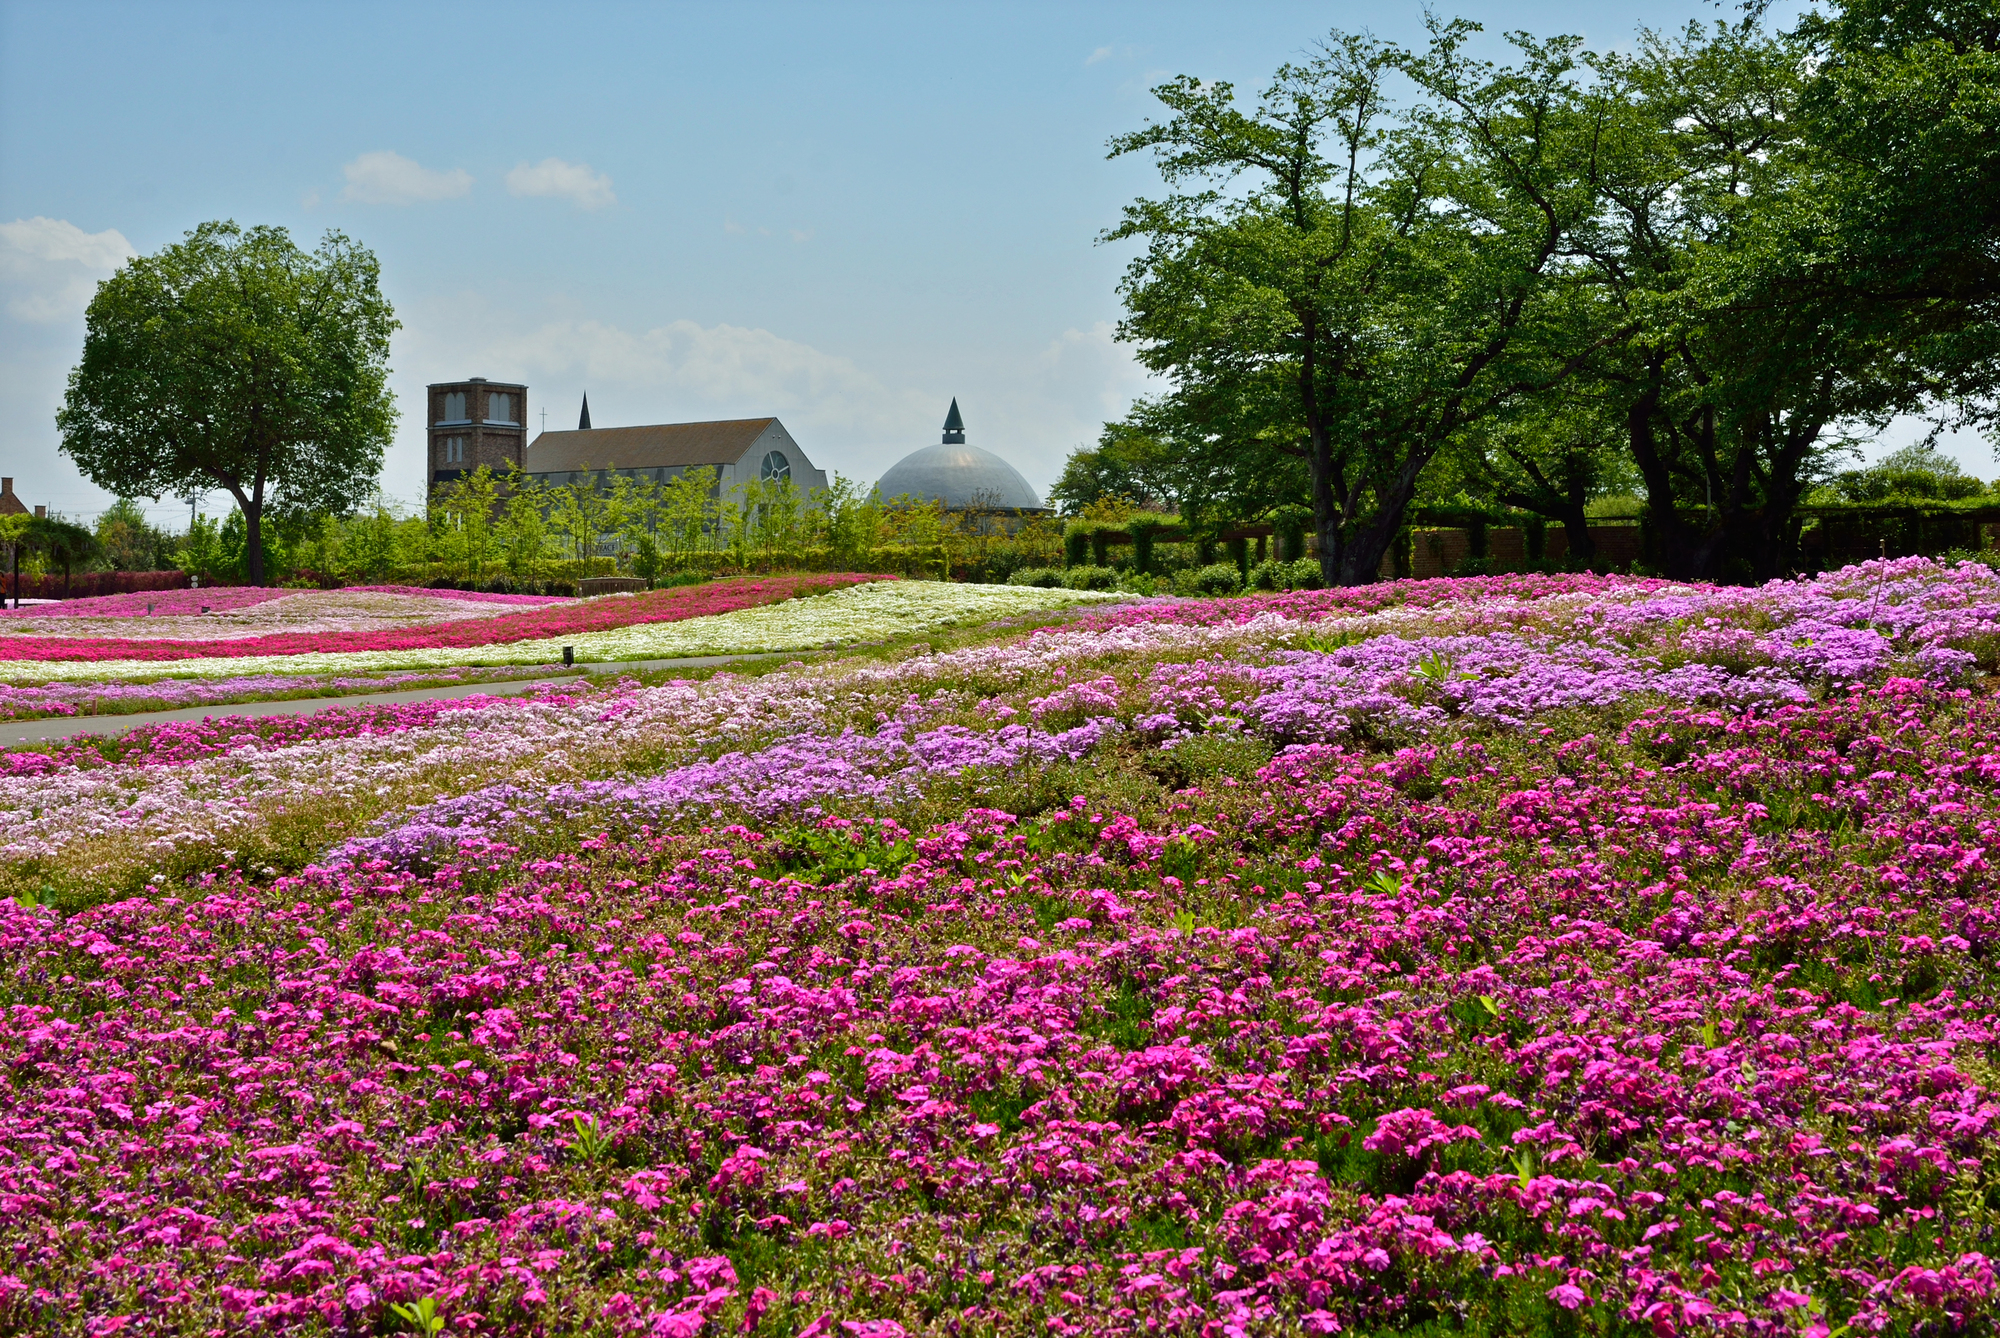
x,y
574,182
50,268
1102,53
386,177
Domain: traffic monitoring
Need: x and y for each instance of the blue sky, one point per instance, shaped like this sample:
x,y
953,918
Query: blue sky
x,y
841,214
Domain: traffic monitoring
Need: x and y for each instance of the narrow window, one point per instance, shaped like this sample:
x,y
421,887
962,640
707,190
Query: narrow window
x,y
499,408
454,407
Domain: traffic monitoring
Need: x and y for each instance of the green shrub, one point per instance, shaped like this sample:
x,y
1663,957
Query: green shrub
x,y
1138,583
1217,578
1269,575
1304,574
1042,578
1091,578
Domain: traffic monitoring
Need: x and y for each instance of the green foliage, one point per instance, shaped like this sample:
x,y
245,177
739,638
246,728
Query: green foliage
x,y
1128,462
1090,578
201,549
1444,222
61,544
233,359
646,560
1218,578
1696,272
1919,472
127,541
421,1315
463,534
1076,547
1045,578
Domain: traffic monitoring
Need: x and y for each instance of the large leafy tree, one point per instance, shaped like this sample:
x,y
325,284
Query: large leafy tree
x,y
1807,251
1370,283
235,360
1900,159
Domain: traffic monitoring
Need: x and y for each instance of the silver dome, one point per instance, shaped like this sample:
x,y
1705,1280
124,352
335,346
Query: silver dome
x,y
960,476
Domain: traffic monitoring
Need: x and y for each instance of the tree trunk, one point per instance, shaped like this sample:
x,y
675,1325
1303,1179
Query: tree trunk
x,y
253,542
1576,529
1685,553
1329,519
1362,562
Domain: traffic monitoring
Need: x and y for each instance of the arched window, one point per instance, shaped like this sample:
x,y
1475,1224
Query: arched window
x,y
454,407
776,468
499,408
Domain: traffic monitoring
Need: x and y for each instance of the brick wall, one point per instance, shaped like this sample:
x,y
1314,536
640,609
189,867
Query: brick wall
x,y
1439,552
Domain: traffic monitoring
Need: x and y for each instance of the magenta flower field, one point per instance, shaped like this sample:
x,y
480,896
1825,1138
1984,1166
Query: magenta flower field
x,y
1562,955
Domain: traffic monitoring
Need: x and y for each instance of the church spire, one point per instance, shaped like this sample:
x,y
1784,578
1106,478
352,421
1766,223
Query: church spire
x,y
954,426
583,423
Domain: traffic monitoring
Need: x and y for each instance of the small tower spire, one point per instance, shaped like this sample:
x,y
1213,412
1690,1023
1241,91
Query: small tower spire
x,y
954,426
583,423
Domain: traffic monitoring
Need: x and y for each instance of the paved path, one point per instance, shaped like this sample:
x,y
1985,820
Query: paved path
x,y
66,727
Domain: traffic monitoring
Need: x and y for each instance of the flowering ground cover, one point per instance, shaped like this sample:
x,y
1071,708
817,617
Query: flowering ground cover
x,y
1611,959
175,603
568,619
319,614
722,618
110,699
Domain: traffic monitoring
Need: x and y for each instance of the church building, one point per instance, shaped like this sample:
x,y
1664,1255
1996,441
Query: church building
x,y
737,449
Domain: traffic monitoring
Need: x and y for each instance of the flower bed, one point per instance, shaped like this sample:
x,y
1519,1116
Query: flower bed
x,y
763,616
172,603
573,617
1628,974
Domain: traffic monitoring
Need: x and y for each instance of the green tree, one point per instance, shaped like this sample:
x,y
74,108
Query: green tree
x,y
577,512
462,523
368,541
14,536
1919,470
62,543
233,359
524,530
201,549
1128,461
128,540
1380,280
851,520
687,513
1552,459
1806,246
1899,211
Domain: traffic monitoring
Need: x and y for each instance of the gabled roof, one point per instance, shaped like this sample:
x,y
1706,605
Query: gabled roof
x,y
662,444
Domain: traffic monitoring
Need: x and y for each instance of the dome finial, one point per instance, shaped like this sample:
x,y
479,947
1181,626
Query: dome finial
x,y
954,426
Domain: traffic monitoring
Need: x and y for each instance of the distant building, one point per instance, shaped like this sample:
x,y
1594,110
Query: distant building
x,y
477,422
962,477
10,505
738,450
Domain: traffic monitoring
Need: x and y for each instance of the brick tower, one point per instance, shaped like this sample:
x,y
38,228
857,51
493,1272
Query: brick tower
x,y
477,422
